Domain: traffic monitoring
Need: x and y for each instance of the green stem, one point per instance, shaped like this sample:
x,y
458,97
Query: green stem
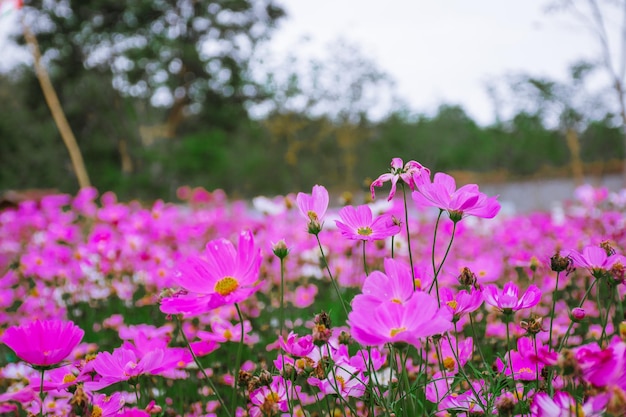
x,y
508,346
608,311
42,396
553,306
445,256
332,279
392,245
199,365
365,260
480,350
408,235
282,296
237,360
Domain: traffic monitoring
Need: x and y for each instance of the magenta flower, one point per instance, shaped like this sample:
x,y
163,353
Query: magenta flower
x,y
392,322
508,300
270,400
224,275
562,404
358,224
466,201
43,343
313,207
461,303
413,173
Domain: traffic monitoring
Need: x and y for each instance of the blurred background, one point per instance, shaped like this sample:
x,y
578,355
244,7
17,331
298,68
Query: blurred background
x,y
270,97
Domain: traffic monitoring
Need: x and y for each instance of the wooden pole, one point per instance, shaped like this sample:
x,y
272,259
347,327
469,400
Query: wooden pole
x,y
57,111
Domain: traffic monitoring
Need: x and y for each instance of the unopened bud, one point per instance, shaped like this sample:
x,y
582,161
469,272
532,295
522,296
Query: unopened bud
x,y
280,249
577,314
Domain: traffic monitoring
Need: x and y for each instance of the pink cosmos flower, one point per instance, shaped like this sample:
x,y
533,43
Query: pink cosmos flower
x,y
413,173
344,380
270,400
462,302
563,405
358,224
466,201
224,275
508,300
297,346
395,285
124,364
595,259
392,322
43,343
313,207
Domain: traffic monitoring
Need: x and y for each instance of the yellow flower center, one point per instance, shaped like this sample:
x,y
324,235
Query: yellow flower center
x,y
341,382
449,363
312,216
418,283
525,371
453,304
396,300
96,411
397,330
228,334
226,286
69,378
364,231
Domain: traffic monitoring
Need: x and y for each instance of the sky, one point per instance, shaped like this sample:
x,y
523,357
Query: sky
x,y
441,51
437,52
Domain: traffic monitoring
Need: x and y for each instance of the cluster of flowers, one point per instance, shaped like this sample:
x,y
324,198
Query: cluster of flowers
x,y
435,328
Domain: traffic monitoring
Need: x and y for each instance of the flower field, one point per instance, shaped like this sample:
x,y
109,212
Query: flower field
x,y
424,302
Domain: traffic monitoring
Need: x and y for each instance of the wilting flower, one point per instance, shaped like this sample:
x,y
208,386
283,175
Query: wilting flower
x,y
564,405
313,207
508,300
413,173
43,343
225,275
358,224
466,201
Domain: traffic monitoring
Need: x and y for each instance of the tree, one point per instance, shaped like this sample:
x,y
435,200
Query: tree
x,y
606,22
189,57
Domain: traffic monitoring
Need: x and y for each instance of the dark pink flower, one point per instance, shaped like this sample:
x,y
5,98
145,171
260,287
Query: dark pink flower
x,y
413,173
466,201
43,343
224,275
358,224
595,259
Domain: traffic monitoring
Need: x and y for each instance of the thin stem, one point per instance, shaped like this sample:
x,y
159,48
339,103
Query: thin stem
x,y
608,311
41,394
508,346
365,260
432,257
330,274
480,351
392,245
536,363
408,235
197,361
553,306
237,360
282,296
445,256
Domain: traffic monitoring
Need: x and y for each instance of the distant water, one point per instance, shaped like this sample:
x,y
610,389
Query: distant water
x,y
544,195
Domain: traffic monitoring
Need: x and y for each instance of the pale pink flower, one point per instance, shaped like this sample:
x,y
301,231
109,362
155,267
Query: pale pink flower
x,y
562,404
358,224
413,173
466,201
509,300
313,207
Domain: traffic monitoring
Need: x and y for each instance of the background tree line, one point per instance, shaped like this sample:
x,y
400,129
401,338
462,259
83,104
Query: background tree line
x,y
162,93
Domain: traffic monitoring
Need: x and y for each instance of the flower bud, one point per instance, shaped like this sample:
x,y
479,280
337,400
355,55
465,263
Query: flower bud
x,y
280,249
467,278
577,314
